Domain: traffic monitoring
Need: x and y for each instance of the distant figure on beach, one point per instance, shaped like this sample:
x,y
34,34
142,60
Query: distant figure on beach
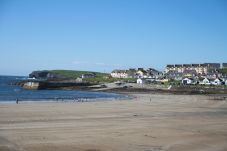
x,y
17,100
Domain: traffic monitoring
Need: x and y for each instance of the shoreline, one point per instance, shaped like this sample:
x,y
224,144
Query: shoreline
x,y
81,100
122,87
112,97
127,93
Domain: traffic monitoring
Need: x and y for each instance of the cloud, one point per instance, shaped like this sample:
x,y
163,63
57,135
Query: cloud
x,y
98,64
79,62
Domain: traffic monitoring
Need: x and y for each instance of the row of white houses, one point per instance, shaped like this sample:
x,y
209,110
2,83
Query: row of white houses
x,y
136,73
187,81
204,81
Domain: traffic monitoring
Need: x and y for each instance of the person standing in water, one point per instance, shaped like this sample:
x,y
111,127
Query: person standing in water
x,y
17,100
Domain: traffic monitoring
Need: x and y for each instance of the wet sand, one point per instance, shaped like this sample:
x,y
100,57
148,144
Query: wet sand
x,y
150,122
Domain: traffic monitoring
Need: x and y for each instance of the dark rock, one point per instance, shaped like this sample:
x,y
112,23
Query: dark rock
x,y
39,74
45,75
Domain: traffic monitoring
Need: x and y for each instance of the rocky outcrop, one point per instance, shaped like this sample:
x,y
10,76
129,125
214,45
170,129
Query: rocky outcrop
x,y
45,84
45,75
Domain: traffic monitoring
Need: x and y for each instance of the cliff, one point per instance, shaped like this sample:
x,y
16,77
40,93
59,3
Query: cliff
x,y
40,85
63,74
46,75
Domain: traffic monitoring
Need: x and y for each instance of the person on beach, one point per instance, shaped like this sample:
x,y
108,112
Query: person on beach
x,y
17,100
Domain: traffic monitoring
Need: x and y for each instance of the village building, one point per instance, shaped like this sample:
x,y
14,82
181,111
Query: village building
x,y
145,81
169,68
217,81
153,73
213,65
199,68
141,73
119,74
211,75
202,69
189,73
131,73
186,67
175,75
88,75
141,81
187,81
164,80
179,68
205,81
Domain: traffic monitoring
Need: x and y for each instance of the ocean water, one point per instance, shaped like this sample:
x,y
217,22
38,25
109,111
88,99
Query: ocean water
x,y
9,93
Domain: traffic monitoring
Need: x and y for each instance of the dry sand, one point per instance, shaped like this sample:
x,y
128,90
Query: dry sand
x,y
150,122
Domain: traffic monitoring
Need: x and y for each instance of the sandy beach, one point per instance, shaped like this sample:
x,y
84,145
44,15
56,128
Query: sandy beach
x,y
149,122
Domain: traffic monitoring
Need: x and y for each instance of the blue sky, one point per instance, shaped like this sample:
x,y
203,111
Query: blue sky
x,y
101,35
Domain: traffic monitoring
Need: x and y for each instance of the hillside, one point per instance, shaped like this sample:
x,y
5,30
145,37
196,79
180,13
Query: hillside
x,y
75,74
62,74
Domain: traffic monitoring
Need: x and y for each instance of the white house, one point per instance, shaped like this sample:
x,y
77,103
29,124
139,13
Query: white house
x,y
205,81
141,81
217,81
187,81
131,73
88,75
153,73
141,73
119,74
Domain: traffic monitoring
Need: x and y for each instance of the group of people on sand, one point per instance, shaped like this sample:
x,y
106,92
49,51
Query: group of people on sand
x,y
75,99
57,99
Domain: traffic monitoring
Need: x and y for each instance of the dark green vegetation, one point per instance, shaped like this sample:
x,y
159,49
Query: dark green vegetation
x,y
73,74
99,77
223,71
108,79
173,82
63,74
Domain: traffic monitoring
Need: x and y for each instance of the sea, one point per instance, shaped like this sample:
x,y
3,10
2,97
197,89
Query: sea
x,y
9,93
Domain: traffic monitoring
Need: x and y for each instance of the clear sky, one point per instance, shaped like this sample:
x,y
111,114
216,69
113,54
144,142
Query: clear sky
x,y
101,35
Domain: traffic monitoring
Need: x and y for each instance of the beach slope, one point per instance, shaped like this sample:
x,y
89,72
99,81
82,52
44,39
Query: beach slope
x,y
149,122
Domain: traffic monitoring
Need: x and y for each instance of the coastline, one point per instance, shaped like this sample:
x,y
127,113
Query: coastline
x,y
126,91
78,100
146,122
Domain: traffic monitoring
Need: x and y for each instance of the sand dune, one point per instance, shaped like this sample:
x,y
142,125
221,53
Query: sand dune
x,y
150,122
